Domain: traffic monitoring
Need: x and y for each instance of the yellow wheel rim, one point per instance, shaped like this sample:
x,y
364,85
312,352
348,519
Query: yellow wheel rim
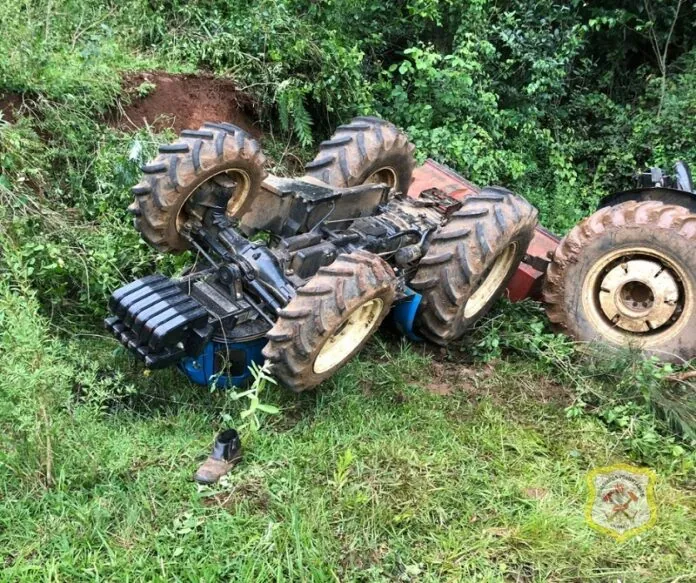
x,y
243,181
637,294
225,178
348,336
497,273
382,176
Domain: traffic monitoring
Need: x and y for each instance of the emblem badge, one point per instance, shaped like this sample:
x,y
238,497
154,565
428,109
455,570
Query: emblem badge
x,y
621,500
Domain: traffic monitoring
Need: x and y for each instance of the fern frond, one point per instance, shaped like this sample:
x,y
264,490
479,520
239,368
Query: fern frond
x,y
302,122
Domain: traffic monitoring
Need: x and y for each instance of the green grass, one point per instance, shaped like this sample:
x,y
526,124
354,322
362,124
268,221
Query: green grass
x,y
375,476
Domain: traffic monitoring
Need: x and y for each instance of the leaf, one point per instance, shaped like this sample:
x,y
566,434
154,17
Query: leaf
x,y
270,409
135,151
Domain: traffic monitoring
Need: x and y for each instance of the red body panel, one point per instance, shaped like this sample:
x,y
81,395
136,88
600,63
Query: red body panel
x,y
526,283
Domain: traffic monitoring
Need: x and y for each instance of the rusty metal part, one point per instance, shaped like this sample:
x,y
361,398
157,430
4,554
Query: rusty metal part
x,y
637,292
638,295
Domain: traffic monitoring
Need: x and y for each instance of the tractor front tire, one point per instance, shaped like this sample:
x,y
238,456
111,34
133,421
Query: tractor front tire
x,y
367,150
220,153
330,319
626,276
470,261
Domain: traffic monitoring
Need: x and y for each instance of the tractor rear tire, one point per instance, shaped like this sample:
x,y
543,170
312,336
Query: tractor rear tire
x,y
330,319
626,276
220,152
367,150
470,261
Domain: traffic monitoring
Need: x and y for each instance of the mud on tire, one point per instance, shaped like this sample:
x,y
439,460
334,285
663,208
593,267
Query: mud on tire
x,y
470,261
350,296
368,149
626,276
216,151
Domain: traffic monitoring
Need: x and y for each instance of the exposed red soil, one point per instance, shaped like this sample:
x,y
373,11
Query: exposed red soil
x,y
10,104
181,102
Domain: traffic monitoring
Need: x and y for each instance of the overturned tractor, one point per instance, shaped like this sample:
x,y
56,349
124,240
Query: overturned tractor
x,y
302,271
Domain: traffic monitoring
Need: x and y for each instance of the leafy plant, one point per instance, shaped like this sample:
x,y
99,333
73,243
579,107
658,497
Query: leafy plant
x,y
250,416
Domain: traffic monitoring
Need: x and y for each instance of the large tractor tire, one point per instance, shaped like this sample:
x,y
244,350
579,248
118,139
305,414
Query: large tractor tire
x,y
330,319
626,276
218,155
367,150
470,261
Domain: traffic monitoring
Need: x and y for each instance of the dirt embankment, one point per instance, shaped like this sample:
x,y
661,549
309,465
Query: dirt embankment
x,y
181,102
164,101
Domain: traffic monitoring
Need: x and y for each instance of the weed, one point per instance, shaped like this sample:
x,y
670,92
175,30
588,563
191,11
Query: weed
x,y
260,383
640,398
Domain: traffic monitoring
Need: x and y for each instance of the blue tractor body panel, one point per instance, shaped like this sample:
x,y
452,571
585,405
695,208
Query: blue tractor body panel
x,y
204,369
237,357
404,312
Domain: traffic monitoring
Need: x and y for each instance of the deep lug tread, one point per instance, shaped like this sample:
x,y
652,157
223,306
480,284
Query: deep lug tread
x,y
343,162
155,168
231,128
141,190
446,235
487,197
334,142
196,157
361,148
172,177
482,241
316,290
294,343
294,314
204,135
500,219
446,285
471,214
220,144
239,138
354,127
437,259
337,269
341,296
320,163
174,148
222,126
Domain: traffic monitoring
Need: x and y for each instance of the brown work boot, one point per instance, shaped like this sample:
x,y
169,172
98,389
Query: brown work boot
x,y
227,452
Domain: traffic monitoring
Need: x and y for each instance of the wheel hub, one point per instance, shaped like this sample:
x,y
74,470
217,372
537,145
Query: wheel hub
x,y
235,180
639,295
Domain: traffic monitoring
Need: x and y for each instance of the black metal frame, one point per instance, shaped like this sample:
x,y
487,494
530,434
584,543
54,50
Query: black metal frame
x,y
656,185
241,285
